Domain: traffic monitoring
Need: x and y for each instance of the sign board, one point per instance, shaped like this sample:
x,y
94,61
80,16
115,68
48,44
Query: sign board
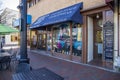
x,y
108,38
17,22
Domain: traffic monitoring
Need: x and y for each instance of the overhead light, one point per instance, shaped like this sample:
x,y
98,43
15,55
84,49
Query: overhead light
x,y
97,16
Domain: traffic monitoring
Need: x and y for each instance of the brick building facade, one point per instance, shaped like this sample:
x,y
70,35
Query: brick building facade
x,y
95,14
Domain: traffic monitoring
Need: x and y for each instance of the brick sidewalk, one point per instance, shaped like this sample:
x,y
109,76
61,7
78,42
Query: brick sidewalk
x,y
69,70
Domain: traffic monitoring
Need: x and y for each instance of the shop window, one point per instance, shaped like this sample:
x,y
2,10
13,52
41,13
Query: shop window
x,y
38,0
61,38
49,41
35,1
33,39
14,38
119,7
31,3
28,5
77,40
109,16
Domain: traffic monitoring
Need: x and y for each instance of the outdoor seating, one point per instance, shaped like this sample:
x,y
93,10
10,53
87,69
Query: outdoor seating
x,y
14,58
10,51
5,62
2,50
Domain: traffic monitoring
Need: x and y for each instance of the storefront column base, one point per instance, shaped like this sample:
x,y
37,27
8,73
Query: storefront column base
x,y
116,68
117,64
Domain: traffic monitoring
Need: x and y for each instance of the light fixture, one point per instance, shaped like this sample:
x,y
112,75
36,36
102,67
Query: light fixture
x,y
97,16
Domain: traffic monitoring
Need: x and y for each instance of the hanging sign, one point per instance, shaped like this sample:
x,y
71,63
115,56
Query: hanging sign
x,y
108,38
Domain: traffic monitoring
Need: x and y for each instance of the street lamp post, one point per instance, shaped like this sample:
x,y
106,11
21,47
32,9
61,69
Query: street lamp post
x,y
23,32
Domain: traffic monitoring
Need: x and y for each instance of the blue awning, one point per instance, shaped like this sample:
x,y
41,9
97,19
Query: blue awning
x,y
71,13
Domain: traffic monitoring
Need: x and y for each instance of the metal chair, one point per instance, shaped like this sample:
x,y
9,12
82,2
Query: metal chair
x,y
14,58
10,51
5,62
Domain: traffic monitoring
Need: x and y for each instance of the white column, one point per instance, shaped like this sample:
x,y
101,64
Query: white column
x,y
90,39
116,32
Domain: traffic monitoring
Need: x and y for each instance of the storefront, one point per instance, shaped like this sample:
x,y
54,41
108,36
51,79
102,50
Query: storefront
x,y
75,34
59,32
99,47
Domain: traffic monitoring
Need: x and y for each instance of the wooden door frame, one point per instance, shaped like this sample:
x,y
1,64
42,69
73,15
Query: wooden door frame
x,y
85,29
95,28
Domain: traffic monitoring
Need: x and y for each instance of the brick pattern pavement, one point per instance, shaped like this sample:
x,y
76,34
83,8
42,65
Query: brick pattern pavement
x,y
69,70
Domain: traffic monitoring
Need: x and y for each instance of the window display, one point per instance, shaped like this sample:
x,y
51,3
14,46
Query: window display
x,y
77,39
49,41
61,38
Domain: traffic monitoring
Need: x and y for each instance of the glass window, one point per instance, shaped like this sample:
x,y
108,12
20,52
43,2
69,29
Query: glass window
x,y
119,7
77,40
33,38
49,41
61,38
109,16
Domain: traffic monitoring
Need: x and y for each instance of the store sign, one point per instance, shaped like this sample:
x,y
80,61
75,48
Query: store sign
x,y
17,22
108,38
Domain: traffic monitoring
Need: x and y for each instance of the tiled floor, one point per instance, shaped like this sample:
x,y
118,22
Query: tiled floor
x,y
68,70
100,63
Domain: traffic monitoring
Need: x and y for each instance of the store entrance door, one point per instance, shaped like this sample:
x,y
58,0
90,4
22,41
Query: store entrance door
x,y
98,39
42,41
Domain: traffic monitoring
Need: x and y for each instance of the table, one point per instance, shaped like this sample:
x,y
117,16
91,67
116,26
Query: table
x,y
3,54
39,74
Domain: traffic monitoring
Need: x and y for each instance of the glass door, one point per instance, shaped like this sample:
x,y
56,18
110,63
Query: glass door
x,y
42,41
98,39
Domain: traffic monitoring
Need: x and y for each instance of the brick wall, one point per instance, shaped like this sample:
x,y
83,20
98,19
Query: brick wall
x,y
46,6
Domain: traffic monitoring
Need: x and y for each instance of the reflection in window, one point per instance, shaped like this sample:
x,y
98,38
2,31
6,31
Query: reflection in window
x,y
77,40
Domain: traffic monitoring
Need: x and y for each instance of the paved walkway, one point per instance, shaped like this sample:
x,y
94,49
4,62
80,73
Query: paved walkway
x,y
69,70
